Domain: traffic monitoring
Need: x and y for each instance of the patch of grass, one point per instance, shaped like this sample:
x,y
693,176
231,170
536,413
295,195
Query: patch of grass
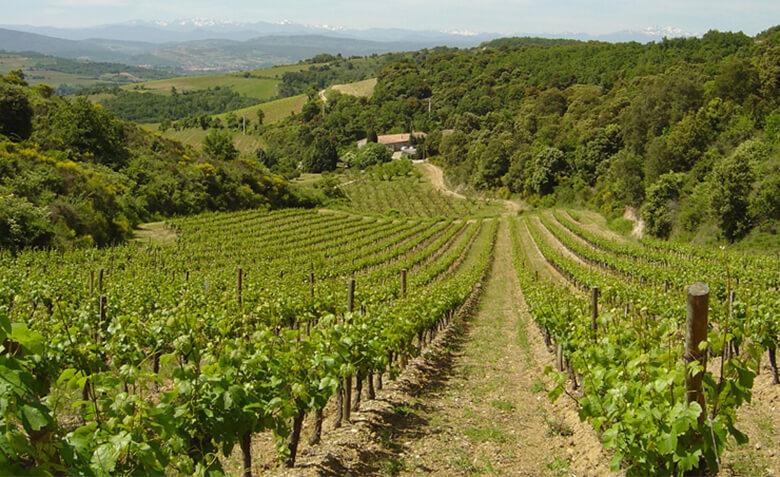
x,y
485,434
505,406
558,467
363,88
522,339
463,463
155,232
620,225
252,86
748,463
273,111
392,467
538,387
386,440
245,143
403,410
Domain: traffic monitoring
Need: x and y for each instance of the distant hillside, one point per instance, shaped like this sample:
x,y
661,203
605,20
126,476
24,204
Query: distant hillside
x,y
11,40
68,75
212,55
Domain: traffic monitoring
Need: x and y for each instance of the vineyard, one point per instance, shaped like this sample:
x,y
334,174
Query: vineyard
x,y
150,359
630,362
254,334
410,196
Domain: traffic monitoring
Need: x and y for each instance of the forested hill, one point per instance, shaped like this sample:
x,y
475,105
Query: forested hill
x,y
71,173
686,129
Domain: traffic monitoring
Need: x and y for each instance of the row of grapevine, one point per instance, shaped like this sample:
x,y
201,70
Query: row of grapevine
x,y
626,358
147,359
408,196
743,301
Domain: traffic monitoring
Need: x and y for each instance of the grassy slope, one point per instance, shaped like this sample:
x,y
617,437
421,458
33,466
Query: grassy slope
x,y
273,112
360,88
260,84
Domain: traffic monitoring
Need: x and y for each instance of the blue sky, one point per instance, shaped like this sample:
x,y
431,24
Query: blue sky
x,y
507,16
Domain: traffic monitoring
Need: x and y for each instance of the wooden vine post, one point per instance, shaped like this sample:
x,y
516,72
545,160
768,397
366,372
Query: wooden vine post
x,y
594,297
698,300
311,283
103,309
240,286
403,283
351,295
348,379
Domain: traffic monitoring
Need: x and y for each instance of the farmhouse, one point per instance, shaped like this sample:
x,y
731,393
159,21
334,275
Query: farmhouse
x,y
396,142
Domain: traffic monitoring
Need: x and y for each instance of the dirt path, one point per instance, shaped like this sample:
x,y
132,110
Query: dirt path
x,y
155,232
493,416
436,176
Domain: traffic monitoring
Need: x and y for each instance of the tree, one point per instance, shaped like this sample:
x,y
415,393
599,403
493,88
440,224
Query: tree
x,y
658,210
604,143
89,129
321,156
370,154
23,224
737,80
494,164
268,158
547,163
625,178
731,183
15,112
219,145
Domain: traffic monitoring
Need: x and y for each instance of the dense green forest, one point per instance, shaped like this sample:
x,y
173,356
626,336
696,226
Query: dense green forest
x,y
72,173
328,70
685,130
154,108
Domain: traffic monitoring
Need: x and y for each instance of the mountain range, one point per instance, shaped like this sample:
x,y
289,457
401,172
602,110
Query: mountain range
x,y
211,45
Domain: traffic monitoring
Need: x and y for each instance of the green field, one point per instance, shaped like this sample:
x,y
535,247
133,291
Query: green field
x,y
273,111
260,84
247,144
363,88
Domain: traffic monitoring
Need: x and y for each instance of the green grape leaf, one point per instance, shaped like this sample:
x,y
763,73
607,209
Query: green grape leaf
x,y
35,417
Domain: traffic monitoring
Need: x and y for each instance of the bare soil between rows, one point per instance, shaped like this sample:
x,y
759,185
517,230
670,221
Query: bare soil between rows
x,y
474,403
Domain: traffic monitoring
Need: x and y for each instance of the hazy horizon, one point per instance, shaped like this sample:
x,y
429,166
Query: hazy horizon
x,y
490,16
